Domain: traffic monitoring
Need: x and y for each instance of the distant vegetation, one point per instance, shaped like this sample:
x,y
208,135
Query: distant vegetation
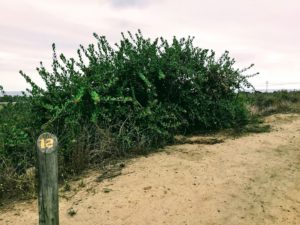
x,y
275,102
119,100
8,98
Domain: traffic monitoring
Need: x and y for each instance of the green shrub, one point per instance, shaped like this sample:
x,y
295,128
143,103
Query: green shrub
x,y
17,151
141,91
15,135
124,99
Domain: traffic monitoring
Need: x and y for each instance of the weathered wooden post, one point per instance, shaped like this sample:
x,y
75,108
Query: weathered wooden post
x,y
48,179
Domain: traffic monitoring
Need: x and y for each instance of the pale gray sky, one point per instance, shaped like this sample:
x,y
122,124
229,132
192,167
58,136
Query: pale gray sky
x,y
263,32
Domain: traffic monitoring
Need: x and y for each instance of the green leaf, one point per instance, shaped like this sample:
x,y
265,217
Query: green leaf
x,y
161,75
79,95
95,96
146,81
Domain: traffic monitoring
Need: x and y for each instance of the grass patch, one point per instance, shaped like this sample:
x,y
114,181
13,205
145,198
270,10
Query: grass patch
x,y
14,186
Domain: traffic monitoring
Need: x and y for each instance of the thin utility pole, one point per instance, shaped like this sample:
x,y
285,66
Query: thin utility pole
x,y
267,86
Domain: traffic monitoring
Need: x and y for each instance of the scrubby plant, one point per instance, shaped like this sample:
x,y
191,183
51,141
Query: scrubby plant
x,y
16,150
130,98
141,91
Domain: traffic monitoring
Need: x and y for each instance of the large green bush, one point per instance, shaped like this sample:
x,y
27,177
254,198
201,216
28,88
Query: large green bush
x,y
126,99
140,91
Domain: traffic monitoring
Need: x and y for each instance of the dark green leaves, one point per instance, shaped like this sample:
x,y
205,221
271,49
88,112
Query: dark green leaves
x,y
140,91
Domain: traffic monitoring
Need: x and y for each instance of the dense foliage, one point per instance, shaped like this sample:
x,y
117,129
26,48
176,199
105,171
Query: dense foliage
x,y
123,99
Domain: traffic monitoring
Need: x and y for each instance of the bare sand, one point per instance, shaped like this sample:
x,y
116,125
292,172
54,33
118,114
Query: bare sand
x,y
253,179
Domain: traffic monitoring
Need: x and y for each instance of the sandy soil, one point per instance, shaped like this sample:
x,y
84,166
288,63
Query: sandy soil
x,y
254,179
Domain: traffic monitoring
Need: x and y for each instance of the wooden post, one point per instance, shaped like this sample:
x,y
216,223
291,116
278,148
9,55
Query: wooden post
x,y
48,179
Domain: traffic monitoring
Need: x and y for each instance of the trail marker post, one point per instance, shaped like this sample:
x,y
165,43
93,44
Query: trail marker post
x,y
48,179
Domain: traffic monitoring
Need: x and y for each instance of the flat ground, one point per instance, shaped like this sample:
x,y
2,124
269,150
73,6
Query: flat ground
x,y
253,179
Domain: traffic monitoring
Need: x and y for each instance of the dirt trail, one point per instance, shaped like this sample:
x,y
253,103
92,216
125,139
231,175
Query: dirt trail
x,y
250,180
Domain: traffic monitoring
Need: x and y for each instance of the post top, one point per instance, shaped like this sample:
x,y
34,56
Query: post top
x,y
47,142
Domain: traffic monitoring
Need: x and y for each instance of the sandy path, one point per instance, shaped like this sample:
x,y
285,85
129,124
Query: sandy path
x,y
250,180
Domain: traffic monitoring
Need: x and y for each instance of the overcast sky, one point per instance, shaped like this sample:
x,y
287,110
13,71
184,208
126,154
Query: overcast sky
x,y
263,32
